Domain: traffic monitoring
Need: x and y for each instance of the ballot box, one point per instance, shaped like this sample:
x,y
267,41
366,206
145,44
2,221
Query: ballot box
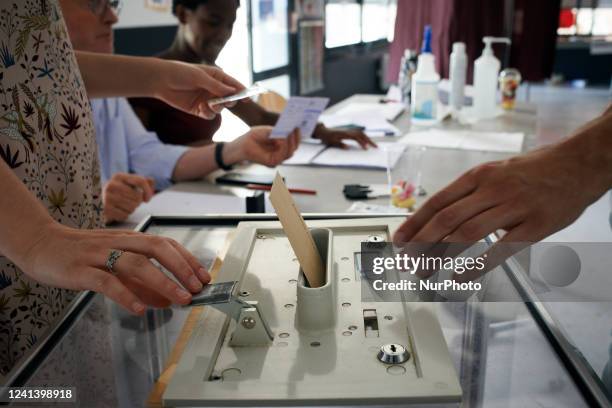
x,y
267,339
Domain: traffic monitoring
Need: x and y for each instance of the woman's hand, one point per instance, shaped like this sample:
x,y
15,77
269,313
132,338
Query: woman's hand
x,y
257,147
189,87
76,259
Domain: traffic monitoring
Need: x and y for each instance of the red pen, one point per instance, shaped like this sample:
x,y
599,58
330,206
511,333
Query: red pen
x,y
291,190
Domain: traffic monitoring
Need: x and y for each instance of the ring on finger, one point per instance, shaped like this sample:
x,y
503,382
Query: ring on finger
x,y
114,255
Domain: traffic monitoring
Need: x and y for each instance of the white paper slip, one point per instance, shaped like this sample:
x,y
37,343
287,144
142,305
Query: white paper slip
x,y
304,154
366,208
355,156
466,140
300,112
182,203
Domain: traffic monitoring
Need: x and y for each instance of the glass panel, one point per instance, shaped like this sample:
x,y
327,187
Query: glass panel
x,y
342,23
378,18
270,33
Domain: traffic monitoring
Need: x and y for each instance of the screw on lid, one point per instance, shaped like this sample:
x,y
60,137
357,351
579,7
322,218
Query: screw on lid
x,y
459,47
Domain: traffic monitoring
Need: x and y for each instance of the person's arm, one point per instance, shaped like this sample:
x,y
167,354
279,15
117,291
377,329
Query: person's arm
x,y
185,86
254,115
59,256
255,146
529,196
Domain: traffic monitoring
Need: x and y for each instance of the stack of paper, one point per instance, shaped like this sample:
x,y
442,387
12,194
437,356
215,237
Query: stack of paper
x,y
177,202
355,156
467,140
372,117
305,153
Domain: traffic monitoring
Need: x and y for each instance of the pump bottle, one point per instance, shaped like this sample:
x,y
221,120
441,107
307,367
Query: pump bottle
x,y
424,97
486,71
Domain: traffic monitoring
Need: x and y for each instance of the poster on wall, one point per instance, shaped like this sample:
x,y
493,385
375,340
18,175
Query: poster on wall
x,y
158,5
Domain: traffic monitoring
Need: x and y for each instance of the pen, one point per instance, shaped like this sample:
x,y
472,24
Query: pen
x,y
291,190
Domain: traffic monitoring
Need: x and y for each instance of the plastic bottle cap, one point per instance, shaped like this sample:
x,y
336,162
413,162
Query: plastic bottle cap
x,y
426,40
459,47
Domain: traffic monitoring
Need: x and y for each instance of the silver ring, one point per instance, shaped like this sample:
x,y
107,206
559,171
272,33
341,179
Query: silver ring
x,y
112,258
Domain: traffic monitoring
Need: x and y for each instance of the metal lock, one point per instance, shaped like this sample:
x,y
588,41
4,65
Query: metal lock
x,y
393,354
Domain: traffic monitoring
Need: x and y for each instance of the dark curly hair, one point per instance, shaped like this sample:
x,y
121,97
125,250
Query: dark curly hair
x,y
191,4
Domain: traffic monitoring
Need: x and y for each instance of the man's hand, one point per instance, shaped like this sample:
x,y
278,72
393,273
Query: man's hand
x,y
529,197
123,194
256,146
335,137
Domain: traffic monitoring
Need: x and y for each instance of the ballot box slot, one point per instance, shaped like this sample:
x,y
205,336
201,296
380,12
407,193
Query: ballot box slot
x,y
370,323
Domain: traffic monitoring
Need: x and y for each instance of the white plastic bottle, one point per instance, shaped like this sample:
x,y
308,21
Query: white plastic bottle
x,y
424,99
458,73
486,71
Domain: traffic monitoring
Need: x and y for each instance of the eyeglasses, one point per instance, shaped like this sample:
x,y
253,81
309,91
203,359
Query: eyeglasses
x,y
98,7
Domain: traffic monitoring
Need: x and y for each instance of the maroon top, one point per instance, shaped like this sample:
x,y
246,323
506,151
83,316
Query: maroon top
x,y
174,126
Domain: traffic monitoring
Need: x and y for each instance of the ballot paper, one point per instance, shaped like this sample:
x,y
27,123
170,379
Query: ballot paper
x,y
301,112
178,202
387,154
467,140
305,154
297,232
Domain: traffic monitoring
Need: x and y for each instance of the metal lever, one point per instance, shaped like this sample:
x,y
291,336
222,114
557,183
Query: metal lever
x,y
251,326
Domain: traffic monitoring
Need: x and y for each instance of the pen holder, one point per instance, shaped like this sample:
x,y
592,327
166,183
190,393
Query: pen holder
x,y
316,307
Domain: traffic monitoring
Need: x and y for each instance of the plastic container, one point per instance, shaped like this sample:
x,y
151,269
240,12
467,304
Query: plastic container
x,y
509,81
424,98
458,73
486,71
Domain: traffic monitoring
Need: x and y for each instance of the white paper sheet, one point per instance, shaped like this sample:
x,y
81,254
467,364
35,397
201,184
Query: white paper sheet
x,y
466,140
389,111
300,112
304,154
355,156
177,202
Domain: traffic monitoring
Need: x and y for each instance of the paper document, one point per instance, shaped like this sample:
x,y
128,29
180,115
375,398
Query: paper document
x,y
297,232
373,122
177,202
304,154
300,112
467,140
355,156
389,111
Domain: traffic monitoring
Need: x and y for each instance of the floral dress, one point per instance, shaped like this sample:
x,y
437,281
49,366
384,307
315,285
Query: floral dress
x,y
47,139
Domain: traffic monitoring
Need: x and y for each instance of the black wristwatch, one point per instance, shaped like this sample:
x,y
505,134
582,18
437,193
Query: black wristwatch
x,y
219,157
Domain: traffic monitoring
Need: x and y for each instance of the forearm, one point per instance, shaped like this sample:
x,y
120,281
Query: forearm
x,y
136,74
22,217
198,162
254,115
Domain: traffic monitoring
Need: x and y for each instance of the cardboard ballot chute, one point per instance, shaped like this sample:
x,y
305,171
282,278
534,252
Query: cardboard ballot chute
x,y
297,232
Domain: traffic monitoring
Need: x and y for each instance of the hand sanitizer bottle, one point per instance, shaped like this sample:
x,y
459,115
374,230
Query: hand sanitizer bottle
x,y
424,98
486,71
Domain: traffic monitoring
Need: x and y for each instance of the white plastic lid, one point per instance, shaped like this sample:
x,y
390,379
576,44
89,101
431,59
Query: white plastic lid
x,y
459,47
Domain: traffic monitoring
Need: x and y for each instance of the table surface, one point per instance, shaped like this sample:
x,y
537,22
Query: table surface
x,y
439,167
501,355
